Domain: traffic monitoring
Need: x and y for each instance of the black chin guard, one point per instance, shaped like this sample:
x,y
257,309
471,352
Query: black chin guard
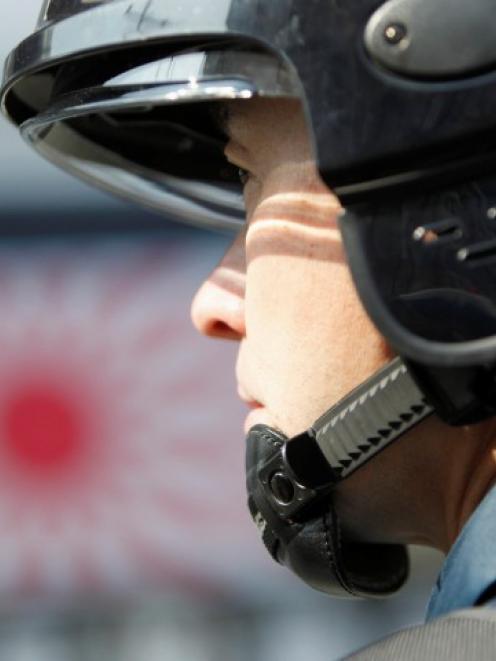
x,y
290,484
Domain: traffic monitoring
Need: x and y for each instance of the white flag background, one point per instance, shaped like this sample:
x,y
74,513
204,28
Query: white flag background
x,y
121,444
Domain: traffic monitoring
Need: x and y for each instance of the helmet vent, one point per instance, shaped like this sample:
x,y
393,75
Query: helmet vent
x,y
449,229
478,253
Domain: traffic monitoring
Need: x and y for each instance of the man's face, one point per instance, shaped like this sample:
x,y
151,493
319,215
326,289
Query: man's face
x,y
283,290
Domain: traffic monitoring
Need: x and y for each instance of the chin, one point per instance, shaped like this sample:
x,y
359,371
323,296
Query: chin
x,y
257,416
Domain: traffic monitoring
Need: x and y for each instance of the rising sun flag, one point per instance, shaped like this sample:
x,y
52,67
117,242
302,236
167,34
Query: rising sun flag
x,y
120,437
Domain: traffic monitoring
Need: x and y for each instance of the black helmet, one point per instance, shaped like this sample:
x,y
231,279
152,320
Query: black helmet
x,y
400,99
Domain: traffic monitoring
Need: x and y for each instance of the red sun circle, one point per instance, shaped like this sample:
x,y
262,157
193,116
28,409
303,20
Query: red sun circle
x,y
44,430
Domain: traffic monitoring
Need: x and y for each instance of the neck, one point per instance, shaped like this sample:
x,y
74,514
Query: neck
x,y
423,488
469,478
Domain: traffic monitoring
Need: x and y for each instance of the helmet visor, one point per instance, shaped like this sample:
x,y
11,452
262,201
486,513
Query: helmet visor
x,y
152,132
52,10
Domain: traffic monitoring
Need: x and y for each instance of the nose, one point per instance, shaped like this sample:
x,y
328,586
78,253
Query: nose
x,y
218,306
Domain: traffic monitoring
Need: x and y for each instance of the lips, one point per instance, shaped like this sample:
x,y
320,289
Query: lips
x,y
254,405
251,402
257,414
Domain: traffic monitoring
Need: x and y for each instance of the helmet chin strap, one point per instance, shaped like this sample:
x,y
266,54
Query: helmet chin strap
x,y
290,484
370,418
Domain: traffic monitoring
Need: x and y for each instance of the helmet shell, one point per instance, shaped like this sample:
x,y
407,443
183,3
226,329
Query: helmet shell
x,y
368,123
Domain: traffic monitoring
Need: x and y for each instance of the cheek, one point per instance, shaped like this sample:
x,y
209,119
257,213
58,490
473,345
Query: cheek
x,y
307,331
300,272
302,299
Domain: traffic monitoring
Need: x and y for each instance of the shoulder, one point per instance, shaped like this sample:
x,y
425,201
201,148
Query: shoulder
x,y
462,635
468,576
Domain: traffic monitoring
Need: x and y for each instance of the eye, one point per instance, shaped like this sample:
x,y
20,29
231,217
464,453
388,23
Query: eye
x,y
244,176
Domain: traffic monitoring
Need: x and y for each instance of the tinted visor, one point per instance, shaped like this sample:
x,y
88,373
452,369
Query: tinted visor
x,y
55,10
153,132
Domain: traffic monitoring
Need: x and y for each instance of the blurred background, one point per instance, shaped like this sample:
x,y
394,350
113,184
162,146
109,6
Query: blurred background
x,y
123,528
